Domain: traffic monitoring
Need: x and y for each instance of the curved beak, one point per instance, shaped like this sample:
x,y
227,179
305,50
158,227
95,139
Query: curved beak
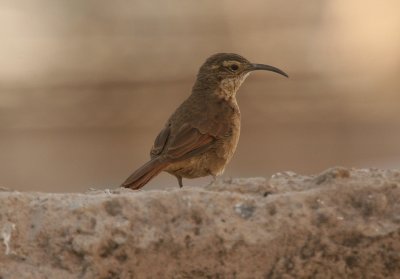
x,y
255,67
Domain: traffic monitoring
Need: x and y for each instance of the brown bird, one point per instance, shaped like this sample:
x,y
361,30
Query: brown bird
x,y
201,136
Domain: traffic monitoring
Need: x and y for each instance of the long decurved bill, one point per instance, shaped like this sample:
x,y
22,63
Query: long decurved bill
x,y
255,67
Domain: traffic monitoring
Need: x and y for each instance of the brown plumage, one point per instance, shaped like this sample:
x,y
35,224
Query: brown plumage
x,y
201,136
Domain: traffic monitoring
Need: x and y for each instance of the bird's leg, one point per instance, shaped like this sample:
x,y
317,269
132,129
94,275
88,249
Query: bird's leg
x,y
180,181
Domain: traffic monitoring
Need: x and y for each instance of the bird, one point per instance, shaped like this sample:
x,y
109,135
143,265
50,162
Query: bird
x,y
201,136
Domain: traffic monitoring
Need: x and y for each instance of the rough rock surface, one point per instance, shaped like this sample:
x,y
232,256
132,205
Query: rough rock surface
x,y
342,223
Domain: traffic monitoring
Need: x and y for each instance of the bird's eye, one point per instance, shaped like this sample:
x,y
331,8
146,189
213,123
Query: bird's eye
x,y
234,67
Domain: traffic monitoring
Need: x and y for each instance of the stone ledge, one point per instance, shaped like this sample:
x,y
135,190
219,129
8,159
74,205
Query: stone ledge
x,y
343,223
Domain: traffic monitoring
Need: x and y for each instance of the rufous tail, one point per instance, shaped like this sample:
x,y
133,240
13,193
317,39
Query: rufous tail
x,y
144,174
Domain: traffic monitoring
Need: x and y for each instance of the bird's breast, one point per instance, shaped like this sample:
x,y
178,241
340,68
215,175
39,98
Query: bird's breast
x,y
226,145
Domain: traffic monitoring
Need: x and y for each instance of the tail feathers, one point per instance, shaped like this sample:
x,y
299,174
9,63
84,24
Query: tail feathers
x,y
144,174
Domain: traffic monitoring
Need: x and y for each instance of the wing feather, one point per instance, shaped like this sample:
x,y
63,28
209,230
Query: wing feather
x,y
187,142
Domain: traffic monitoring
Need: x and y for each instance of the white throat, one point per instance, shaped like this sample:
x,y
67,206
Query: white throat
x,y
229,86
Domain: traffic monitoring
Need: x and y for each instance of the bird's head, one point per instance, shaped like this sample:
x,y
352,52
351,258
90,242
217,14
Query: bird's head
x,y
229,70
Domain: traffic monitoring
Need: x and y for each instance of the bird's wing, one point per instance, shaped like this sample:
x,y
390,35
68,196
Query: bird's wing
x,y
160,142
187,142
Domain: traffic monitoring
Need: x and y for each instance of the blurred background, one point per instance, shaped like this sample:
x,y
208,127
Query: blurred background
x,y
85,86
